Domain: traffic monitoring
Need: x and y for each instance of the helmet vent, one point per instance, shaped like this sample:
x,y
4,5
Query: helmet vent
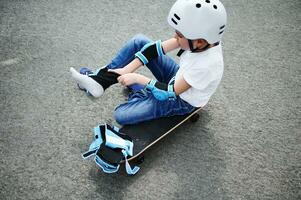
x,y
207,1
214,6
177,16
198,5
174,21
222,27
221,32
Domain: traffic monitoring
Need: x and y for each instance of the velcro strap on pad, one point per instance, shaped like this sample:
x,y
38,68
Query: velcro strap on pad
x,y
89,153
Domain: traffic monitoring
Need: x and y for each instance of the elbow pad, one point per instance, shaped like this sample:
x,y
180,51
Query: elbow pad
x,y
161,91
150,51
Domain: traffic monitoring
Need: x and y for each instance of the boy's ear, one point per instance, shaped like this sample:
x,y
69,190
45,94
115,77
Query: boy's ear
x,y
201,43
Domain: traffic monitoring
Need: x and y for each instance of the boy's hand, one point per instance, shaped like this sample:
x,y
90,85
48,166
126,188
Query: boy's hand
x,y
132,78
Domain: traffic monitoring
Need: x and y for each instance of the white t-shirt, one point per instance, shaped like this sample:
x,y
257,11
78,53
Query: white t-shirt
x,y
203,71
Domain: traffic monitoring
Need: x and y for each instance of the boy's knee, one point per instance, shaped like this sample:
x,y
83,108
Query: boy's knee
x,y
121,116
140,39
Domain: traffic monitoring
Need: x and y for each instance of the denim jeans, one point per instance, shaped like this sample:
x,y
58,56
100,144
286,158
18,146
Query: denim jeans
x,y
142,105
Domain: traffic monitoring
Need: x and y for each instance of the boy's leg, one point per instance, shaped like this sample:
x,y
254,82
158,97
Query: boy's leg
x,y
163,68
127,53
144,106
101,79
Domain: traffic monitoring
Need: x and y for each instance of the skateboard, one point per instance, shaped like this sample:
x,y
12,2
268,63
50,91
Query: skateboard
x,y
113,146
148,133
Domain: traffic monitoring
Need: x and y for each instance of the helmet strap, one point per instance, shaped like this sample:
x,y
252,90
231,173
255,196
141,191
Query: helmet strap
x,y
196,50
191,46
200,50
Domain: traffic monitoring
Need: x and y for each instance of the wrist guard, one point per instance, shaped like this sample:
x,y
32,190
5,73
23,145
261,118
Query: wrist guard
x,y
161,91
150,51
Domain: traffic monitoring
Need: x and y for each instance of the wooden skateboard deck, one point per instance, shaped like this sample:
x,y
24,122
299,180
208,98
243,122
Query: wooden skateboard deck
x,y
147,133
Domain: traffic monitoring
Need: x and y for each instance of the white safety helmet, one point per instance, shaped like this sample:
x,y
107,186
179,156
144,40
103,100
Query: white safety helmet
x,y
199,19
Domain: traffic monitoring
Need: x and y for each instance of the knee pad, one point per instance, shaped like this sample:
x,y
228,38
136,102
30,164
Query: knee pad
x,y
150,51
109,148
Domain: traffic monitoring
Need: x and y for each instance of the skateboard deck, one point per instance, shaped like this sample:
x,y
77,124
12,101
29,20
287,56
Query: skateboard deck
x,y
146,134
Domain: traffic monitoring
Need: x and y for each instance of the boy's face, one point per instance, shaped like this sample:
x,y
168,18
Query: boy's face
x,y
183,42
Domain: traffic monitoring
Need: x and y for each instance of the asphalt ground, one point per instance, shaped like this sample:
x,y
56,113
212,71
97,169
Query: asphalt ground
x,y
246,145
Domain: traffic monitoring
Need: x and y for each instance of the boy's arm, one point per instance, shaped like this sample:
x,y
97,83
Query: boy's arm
x,y
170,45
181,86
167,46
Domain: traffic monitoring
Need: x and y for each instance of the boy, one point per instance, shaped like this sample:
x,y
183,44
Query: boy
x,y
179,89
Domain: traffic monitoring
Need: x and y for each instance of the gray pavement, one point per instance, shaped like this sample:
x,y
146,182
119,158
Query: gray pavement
x,y
247,144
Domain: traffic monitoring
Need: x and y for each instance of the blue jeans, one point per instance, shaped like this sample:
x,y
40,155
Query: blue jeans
x,y
142,105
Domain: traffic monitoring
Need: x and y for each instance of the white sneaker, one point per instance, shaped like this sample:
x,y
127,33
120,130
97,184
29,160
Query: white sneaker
x,y
87,83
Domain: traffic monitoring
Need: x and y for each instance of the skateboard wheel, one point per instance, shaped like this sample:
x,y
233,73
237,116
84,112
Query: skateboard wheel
x,y
194,118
